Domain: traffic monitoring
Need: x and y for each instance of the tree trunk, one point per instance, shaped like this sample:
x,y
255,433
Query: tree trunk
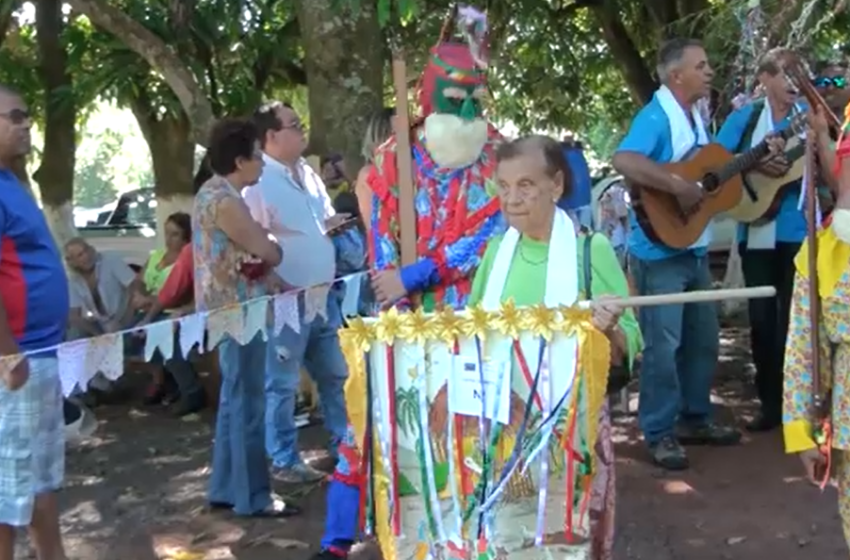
x,y
175,71
637,76
344,61
169,138
55,175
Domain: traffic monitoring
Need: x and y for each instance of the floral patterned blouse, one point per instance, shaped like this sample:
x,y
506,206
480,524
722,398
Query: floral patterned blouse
x,y
834,287
218,282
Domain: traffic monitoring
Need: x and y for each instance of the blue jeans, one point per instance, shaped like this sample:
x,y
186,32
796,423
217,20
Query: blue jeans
x,y
681,346
317,348
240,473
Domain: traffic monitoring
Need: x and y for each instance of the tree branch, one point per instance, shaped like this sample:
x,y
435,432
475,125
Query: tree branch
x,y
142,108
156,52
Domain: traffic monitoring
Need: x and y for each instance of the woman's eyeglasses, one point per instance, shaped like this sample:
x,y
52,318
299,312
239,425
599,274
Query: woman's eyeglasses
x,y
16,116
838,82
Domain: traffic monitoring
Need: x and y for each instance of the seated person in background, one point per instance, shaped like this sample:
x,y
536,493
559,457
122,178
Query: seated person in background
x,y
333,175
101,288
178,234
157,272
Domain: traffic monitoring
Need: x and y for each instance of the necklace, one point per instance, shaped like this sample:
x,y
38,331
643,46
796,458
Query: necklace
x,y
532,262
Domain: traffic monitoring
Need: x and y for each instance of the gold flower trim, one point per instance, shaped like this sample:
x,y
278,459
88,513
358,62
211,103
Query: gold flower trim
x,y
417,327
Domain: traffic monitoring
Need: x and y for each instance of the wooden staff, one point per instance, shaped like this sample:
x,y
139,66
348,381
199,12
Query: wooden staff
x,y
820,409
404,161
699,296
404,156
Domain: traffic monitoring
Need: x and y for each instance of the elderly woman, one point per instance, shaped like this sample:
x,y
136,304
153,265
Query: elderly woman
x,y
227,245
532,176
833,277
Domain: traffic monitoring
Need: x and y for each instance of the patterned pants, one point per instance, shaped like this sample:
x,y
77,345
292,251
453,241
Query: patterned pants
x,y
343,500
32,441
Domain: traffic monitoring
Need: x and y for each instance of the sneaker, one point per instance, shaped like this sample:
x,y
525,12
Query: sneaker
x,y
191,405
669,455
708,433
300,473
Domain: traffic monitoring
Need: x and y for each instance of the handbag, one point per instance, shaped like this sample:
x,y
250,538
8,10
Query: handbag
x,y
618,375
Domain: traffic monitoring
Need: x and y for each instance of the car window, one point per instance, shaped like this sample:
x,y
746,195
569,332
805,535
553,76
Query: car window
x,y
135,208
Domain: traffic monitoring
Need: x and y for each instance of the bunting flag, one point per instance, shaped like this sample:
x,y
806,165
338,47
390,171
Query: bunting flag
x,y
80,360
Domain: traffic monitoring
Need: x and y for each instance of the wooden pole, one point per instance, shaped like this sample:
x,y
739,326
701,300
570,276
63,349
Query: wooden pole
x,y
699,296
404,161
814,296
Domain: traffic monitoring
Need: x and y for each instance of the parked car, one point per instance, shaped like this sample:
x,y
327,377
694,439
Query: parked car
x,y
128,229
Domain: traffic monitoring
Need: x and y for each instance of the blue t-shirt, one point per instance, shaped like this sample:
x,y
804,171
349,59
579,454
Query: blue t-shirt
x,y
649,135
790,220
33,284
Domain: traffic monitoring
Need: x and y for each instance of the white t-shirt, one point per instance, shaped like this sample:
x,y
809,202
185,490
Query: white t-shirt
x,y
295,215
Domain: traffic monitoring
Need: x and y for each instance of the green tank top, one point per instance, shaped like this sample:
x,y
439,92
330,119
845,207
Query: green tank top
x,y
154,276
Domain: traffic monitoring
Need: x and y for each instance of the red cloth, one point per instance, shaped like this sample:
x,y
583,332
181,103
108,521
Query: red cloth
x,y
179,287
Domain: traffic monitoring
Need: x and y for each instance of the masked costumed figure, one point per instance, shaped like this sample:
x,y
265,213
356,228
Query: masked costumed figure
x,y
457,212
824,448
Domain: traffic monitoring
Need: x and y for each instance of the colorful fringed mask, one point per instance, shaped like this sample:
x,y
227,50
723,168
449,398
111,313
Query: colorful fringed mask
x,y
454,81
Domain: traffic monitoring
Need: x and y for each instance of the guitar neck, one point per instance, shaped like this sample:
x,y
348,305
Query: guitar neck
x,y
749,159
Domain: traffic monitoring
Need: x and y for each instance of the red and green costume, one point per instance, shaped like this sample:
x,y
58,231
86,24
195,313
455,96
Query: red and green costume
x,y
457,212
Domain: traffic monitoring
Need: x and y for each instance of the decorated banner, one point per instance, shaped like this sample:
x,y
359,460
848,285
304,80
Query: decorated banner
x,y
477,430
82,359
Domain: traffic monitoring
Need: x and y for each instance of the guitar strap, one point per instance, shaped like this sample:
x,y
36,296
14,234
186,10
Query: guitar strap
x,y
747,136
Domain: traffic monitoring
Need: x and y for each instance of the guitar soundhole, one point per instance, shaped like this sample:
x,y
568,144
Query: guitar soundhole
x,y
710,182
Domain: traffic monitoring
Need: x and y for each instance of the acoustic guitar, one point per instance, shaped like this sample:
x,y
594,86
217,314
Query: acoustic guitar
x,y
763,193
713,168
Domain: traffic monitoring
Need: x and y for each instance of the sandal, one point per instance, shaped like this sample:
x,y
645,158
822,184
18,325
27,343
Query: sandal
x,y
277,510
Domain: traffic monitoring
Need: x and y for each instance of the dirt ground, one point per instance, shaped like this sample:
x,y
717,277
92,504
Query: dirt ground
x,y
136,492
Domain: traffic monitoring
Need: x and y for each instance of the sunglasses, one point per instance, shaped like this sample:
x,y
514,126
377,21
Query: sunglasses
x,y
16,116
838,82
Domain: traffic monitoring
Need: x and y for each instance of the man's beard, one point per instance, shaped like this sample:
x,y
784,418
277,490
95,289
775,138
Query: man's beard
x,y
454,142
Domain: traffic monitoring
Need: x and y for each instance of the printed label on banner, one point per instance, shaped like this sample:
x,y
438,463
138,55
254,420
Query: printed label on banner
x,y
465,388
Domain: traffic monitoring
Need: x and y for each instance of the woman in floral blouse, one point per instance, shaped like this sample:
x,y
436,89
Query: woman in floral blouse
x,y
233,256
823,454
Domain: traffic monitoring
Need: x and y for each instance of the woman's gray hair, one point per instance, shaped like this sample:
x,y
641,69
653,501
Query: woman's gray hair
x,y
551,149
378,131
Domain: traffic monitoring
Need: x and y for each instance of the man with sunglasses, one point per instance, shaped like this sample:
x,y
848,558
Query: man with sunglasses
x,y
33,315
292,203
769,245
831,83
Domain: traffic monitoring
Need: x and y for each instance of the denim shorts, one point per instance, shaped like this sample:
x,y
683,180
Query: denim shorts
x,y
32,441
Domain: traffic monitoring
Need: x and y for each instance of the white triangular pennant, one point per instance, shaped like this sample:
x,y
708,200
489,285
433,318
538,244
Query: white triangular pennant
x,y
159,336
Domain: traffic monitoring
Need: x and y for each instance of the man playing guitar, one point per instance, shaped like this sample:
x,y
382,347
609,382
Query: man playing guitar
x,y
768,246
681,340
